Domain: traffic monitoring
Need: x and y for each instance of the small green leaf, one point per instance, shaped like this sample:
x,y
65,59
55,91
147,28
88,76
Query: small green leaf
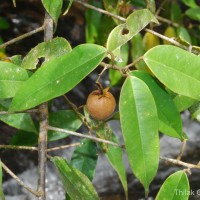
x,y
175,68
22,121
12,78
195,111
16,59
183,34
23,138
53,7
183,102
3,24
124,32
65,119
151,5
190,3
48,50
176,12
76,184
175,187
58,76
193,13
85,157
169,117
93,20
113,153
139,123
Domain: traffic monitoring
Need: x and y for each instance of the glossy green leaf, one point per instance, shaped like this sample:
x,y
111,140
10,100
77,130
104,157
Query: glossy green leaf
x,y
53,7
175,187
183,102
124,32
175,68
1,189
195,111
58,76
93,20
23,138
16,60
75,183
138,3
176,12
22,121
183,33
193,13
169,118
138,50
85,157
113,153
47,50
12,78
190,3
65,119
139,122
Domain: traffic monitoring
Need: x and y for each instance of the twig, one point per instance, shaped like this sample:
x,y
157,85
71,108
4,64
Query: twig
x,y
27,111
171,40
178,162
43,115
37,194
63,147
135,62
182,149
101,10
84,136
2,146
22,36
80,116
167,21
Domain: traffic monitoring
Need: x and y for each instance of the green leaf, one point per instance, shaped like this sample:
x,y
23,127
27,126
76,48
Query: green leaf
x,y
58,76
1,189
124,32
3,24
93,20
113,153
175,68
139,122
183,102
195,111
190,3
53,7
183,34
169,118
12,78
193,13
138,50
23,138
76,184
176,12
48,50
16,59
85,157
65,119
22,121
151,5
175,187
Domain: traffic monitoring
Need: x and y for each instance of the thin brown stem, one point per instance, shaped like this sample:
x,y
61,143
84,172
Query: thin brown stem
x,y
2,146
182,149
43,115
19,181
178,162
37,30
80,116
167,21
63,147
27,111
84,136
134,63
101,10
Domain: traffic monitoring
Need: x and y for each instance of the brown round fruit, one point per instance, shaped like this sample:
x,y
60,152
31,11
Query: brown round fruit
x,y
101,106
